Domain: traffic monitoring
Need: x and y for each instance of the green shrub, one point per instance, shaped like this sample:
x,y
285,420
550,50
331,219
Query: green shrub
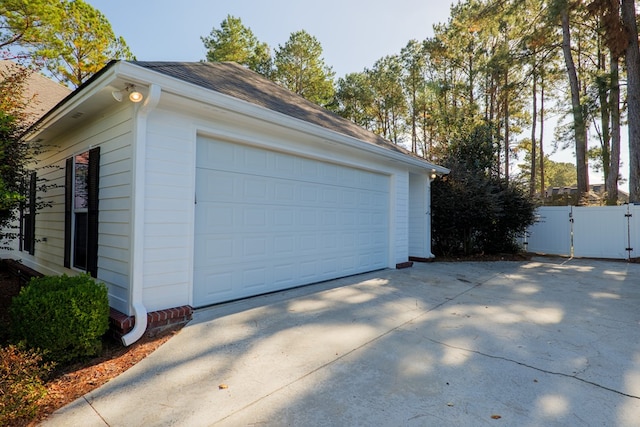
x,y
474,210
63,316
20,384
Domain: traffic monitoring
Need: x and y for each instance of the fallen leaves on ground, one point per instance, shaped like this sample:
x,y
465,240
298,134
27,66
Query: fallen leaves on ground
x,y
74,381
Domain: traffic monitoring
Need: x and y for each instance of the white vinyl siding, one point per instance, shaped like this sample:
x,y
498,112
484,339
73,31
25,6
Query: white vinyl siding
x,y
113,135
419,217
169,198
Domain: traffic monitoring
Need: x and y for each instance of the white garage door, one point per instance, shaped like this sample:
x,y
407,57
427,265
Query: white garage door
x,y
267,221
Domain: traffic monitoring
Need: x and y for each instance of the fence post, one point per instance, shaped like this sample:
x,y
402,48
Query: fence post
x,y
629,249
571,222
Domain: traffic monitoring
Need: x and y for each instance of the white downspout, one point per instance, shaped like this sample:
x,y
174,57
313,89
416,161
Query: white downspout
x,y
137,223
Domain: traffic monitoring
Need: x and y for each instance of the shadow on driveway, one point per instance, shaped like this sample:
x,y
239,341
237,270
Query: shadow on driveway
x,y
539,343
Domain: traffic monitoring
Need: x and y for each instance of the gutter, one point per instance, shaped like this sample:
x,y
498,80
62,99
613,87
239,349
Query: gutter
x,y
137,236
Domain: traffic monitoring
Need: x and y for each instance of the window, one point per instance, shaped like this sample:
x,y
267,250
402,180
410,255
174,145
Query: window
x,y
81,211
28,217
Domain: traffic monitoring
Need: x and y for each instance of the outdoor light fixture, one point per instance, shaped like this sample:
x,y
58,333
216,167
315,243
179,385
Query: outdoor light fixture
x,y
433,174
134,95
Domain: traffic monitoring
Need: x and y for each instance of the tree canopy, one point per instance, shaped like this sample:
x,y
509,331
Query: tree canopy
x,y
21,21
14,155
71,39
515,65
235,42
299,67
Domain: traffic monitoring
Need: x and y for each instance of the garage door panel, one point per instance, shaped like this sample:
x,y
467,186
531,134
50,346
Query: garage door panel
x,y
284,245
288,167
283,218
235,187
254,277
220,248
329,218
284,192
268,221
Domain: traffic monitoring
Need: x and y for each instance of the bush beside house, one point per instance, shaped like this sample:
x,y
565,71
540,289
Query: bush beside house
x,y
474,210
63,316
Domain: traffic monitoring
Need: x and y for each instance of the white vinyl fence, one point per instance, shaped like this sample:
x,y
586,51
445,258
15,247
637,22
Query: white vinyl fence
x,y
590,232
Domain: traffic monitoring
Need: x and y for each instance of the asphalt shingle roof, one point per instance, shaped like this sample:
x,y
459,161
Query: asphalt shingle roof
x,y
41,93
239,82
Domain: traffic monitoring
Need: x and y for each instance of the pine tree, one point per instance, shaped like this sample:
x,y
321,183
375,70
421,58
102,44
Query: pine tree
x,y
299,67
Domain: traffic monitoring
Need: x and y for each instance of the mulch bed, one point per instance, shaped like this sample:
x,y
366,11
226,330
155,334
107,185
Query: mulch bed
x,y
69,382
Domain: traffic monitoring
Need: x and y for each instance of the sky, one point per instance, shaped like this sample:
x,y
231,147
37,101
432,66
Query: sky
x,y
354,34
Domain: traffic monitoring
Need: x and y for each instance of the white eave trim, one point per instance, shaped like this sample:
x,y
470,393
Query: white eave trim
x,y
72,101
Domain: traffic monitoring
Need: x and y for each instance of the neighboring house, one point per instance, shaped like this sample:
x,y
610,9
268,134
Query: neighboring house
x,y
568,195
218,185
41,93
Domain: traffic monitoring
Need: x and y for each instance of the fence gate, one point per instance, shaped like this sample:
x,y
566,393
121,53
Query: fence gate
x,y
591,232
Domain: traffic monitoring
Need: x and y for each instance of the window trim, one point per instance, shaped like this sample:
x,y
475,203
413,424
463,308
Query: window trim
x,y
92,211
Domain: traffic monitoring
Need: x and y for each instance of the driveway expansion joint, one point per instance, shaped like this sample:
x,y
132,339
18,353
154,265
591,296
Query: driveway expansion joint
x,y
96,411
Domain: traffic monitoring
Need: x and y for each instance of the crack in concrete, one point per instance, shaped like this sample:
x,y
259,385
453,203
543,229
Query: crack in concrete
x,y
562,374
526,365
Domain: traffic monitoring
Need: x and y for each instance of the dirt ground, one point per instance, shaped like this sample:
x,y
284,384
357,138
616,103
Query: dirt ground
x,y
66,383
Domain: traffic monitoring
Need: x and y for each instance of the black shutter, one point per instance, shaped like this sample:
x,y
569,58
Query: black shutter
x,y
92,217
31,232
68,206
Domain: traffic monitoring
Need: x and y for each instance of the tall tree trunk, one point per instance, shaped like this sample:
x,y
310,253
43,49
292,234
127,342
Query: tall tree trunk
x,y
534,119
414,119
541,154
506,126
604,89
611,182
579,123
632,59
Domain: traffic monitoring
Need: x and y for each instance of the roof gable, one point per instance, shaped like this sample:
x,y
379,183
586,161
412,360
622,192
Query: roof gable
x,y
239,82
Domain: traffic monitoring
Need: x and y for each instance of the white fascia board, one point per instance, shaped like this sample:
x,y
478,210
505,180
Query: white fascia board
x,y
198,93
68,104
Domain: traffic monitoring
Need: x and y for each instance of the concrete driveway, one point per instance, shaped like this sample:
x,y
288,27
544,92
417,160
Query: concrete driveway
x,y
549,342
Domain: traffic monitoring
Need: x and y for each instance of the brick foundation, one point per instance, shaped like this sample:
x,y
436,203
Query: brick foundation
x,y
120,324
402,265
419,259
